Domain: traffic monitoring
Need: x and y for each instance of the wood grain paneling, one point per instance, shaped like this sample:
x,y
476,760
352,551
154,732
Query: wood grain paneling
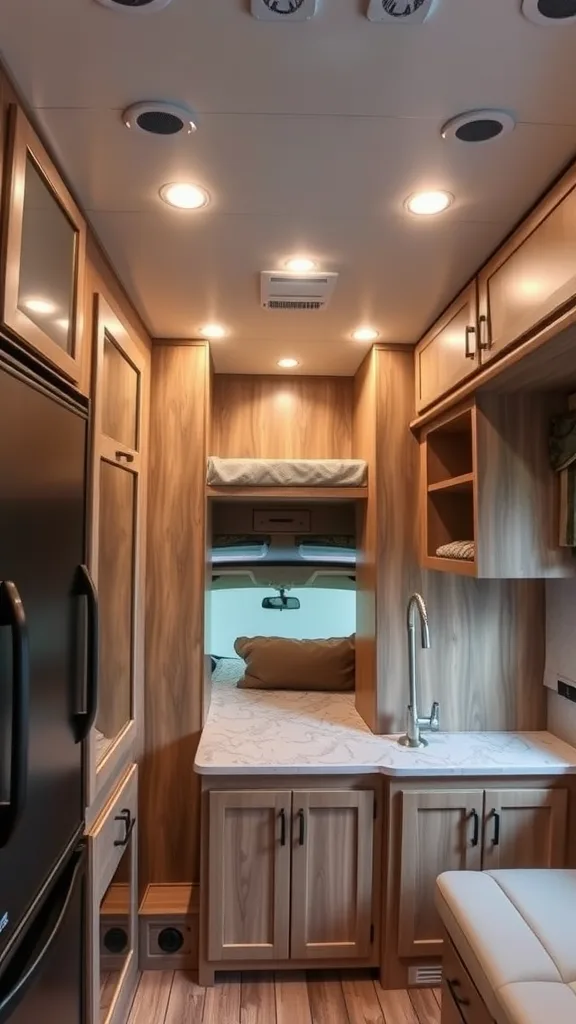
x,y
327,1004
175,611
292,1004
281,417
361,999
257,999
486,661
186,1004
222,1005
396,1005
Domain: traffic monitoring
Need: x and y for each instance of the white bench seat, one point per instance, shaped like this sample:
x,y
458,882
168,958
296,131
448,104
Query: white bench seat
x,y
515,932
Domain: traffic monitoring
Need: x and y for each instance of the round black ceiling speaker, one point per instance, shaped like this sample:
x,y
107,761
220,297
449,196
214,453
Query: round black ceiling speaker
x,y
135,6
160,118
478,126
549,12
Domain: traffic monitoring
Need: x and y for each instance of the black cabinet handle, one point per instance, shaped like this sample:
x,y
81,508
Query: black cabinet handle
x,y
483,333
302,832
470,352
282,827
12,614
84,587
453,985
124,456
476,834
496,836
129,823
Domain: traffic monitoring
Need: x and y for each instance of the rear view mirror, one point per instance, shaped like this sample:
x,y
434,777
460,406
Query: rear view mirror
x,y
282,603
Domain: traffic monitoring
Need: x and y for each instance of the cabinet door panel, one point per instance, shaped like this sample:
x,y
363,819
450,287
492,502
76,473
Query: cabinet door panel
x,y
440,832
525,828
448,353
530,278
332,848
249,875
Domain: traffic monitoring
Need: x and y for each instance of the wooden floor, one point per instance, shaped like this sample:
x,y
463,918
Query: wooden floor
x,y
172,997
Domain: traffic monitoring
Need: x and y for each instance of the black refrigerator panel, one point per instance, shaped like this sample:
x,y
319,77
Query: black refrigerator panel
x,y
42,981
42,637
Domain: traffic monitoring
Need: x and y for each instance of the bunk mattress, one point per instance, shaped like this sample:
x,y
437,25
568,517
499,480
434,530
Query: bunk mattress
x,y
286,472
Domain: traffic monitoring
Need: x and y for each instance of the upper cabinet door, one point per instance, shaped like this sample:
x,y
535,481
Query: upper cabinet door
x,y
116,527
531,277
449,352
44,256
332,852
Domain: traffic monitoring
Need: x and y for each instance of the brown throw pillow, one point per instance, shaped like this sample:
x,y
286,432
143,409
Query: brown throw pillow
x,y
273,663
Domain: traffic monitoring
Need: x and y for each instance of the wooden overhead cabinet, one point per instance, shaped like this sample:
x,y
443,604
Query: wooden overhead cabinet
x,y
532,277
448,354
44,257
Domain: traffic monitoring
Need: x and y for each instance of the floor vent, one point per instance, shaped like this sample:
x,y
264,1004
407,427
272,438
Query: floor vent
x,y
426,975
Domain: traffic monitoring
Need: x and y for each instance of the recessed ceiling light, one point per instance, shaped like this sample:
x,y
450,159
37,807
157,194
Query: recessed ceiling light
x,y
365,334
300,264
184,196
63,322
288,364
160,118
424,204
478,126
42,306
213,331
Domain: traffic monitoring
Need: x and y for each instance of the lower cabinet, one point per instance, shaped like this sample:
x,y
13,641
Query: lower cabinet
x,y
112,967
451,829
290,875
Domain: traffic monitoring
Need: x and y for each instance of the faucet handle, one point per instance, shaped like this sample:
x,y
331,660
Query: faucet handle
x,y
435,717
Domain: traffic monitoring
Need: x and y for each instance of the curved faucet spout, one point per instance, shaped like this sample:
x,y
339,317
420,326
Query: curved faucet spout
x,y
417,602
414,724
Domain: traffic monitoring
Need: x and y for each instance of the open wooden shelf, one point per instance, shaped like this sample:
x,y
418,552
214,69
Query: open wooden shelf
x,y
464,482
288,493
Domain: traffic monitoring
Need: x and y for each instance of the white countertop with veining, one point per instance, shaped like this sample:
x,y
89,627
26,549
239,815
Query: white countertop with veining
x,y
259,732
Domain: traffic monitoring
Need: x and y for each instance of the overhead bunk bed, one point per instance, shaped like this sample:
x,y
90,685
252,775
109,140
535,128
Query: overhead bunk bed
x,y
287,478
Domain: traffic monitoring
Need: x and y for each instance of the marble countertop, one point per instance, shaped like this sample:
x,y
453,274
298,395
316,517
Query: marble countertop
x,y
259,732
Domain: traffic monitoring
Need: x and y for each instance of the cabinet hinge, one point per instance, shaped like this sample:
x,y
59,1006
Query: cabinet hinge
x,y
371,933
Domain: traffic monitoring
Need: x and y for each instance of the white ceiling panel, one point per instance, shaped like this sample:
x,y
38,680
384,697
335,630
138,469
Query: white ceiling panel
x,y
306,166
310,137
184,274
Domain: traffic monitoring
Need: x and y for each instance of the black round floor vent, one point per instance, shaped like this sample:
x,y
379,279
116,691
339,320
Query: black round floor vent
x,y
156,117
116,940
170,940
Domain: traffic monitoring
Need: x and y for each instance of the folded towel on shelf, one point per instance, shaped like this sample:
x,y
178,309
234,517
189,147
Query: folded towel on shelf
x,y
562,447
464,550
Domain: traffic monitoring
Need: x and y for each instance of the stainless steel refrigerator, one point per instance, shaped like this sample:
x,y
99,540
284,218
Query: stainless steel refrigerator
x,y
48,674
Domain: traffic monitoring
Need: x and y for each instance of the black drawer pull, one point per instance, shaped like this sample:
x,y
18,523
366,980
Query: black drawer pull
x,y
302,835
129,823
476,834
454,984
282,827
496,836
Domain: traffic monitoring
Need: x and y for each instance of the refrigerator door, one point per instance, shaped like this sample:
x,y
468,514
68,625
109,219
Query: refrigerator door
x,y
43,978
43,610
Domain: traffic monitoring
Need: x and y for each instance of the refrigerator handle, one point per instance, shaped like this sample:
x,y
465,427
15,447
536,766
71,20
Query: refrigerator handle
x,y
12,615
85,587
23,975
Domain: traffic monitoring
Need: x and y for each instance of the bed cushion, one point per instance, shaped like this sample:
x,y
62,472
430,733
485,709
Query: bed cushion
x,y
286,472
278,664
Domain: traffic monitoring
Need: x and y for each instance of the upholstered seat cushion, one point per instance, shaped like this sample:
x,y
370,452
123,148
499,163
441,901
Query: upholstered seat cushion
x,y
516,933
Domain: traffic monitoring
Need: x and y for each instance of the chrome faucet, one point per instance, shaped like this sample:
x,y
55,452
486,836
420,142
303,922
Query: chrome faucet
x,y
415,725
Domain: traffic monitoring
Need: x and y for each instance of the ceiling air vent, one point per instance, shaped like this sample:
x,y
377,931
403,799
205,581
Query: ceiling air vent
x,y
283,10
135,6
309,292
399,12
549,12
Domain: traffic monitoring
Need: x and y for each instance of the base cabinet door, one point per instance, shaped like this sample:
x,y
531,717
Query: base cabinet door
x,y
332,845
249,875
440,832
525,828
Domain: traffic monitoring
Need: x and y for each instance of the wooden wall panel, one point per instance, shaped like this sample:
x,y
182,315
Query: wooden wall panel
x,y
175,611
486,661
282,417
